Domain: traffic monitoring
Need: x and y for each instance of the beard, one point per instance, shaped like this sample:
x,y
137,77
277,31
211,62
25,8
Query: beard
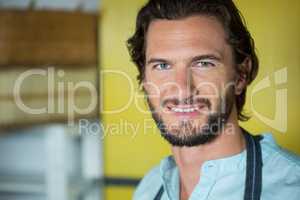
x,y
186,134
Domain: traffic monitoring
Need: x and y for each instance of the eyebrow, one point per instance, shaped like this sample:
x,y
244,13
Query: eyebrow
x,y
206,56
156,60
193,59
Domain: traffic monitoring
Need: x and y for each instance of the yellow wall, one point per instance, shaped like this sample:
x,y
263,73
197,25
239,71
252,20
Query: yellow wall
x,y
275,27
124,154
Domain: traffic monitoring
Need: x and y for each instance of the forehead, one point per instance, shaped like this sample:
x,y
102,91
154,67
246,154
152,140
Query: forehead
x,y
195,34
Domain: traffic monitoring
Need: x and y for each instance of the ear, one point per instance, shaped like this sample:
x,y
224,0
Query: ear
x,y
243,71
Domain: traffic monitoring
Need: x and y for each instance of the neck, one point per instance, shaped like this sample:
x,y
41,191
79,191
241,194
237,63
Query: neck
x,y
190,159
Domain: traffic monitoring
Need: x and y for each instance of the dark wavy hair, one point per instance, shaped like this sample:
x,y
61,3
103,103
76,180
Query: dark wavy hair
x,y
238,37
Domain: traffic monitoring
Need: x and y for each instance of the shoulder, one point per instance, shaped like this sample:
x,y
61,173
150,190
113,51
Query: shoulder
x,y
273,153
149,185
281,168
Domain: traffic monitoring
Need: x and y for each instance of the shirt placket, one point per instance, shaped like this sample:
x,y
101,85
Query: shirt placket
x,y
208,177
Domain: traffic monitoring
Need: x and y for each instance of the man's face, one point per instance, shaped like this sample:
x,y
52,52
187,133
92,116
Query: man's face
x,y
189,78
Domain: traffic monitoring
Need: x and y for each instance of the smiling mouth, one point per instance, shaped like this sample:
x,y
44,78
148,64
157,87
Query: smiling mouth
x,y
187,110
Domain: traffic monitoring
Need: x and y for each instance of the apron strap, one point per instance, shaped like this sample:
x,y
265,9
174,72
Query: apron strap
x,y
159,193
254,167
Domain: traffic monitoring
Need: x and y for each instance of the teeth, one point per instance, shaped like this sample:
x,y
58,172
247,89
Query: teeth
x,y
184,110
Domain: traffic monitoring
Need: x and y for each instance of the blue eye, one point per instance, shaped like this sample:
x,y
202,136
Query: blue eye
x,y
161,66
204,64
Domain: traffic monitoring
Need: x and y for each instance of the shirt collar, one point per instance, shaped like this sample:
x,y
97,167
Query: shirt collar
x,y
219,167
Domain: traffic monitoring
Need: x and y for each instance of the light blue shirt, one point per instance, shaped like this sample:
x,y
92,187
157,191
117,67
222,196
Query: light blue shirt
x,y
224,178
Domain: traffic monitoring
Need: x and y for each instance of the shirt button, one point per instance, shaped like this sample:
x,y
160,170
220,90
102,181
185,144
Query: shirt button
x,y
210,165
210,169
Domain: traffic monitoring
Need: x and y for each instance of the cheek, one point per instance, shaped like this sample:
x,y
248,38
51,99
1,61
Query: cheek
x,y
208,87
152,93
214,89
158,88
213,82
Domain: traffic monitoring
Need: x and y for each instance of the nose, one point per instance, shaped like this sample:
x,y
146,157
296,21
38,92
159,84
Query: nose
x,y
184,83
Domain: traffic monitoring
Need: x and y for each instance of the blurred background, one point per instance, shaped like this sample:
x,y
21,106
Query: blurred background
x,y
73,121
